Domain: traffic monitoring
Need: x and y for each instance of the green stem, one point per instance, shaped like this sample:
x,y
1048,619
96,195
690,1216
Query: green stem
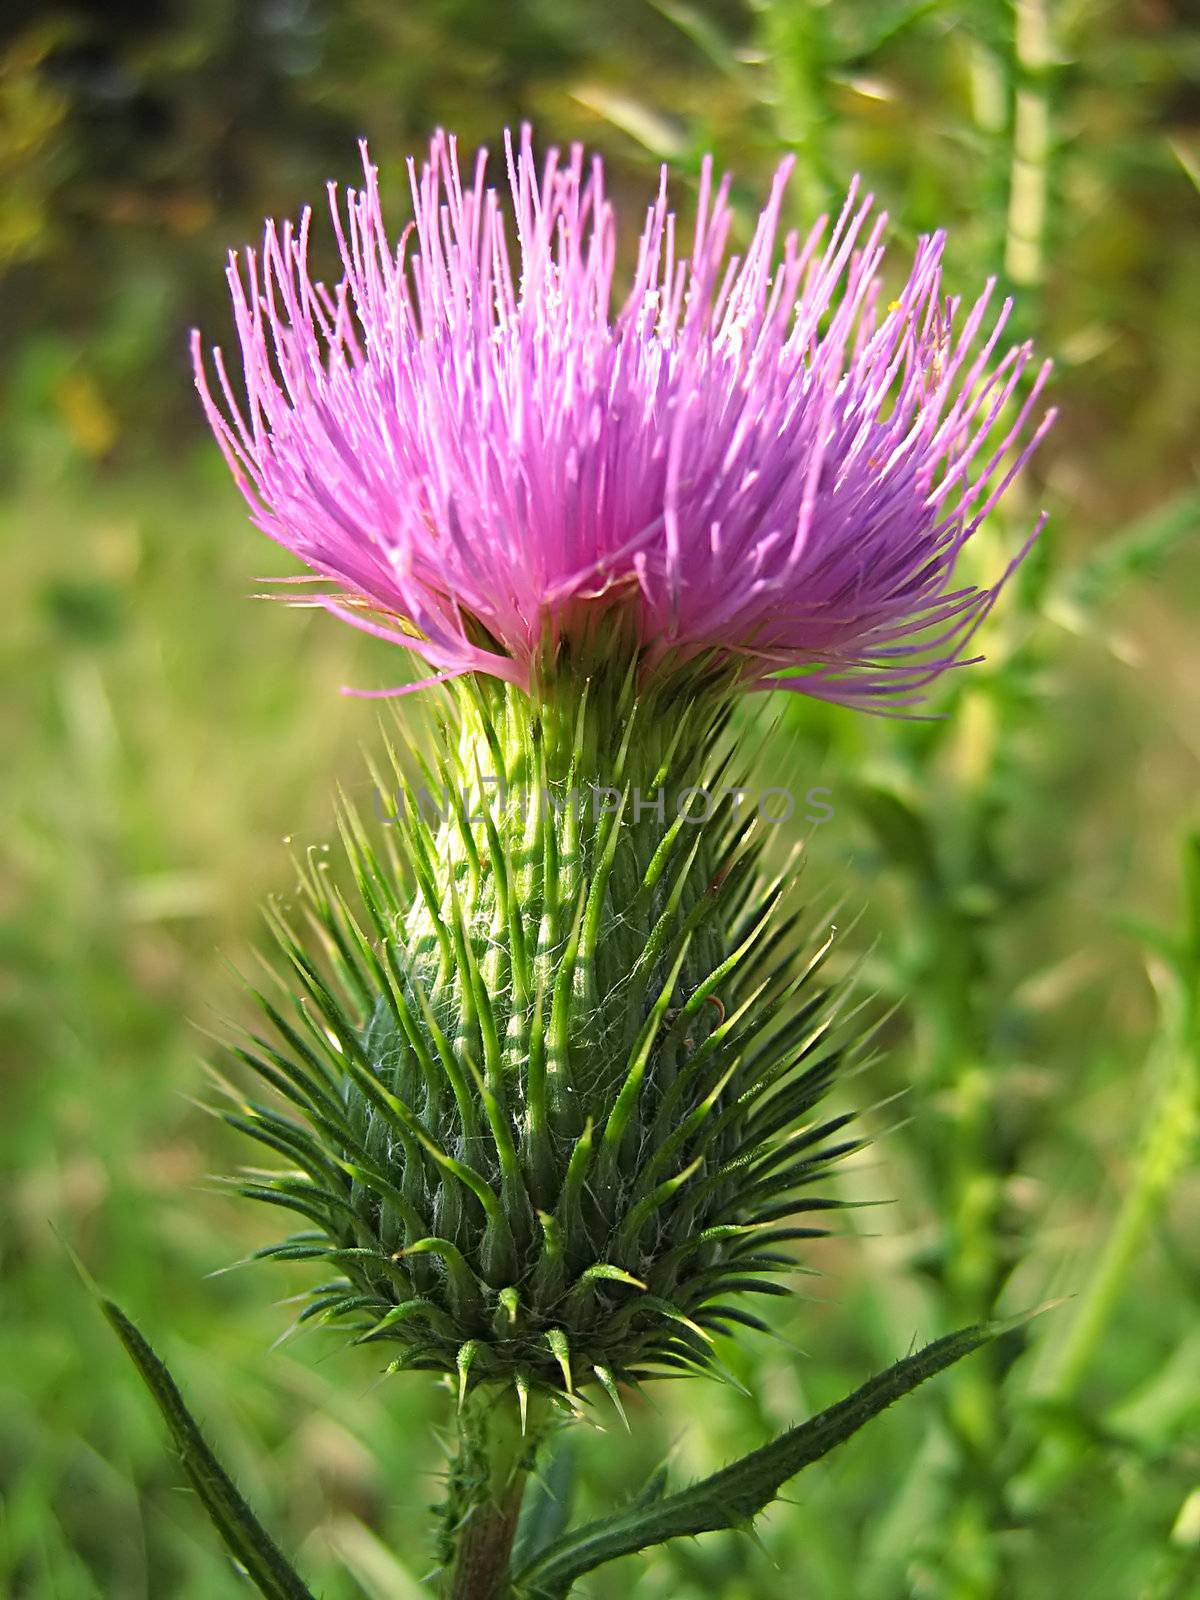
x,y
1167,1143
794,39
496,1447
1029,180
1167,1146
971,1173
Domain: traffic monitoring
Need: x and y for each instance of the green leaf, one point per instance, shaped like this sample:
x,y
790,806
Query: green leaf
x,y
1138,551
245,1538
547,1503
903,833
704,34
733,1497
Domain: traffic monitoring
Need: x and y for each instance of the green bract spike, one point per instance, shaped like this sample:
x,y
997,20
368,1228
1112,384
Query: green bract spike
x,y
604,1271
609,1386
561,1348
464,1361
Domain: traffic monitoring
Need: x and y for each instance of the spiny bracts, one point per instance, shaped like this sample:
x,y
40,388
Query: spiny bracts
x,y
551,1066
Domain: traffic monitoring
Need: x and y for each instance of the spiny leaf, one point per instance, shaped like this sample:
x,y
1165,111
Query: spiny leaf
x,y
733,1497
244,1536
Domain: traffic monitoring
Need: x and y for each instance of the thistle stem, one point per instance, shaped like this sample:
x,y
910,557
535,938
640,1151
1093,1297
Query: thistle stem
x,y
496,1448
1029,187
480,1569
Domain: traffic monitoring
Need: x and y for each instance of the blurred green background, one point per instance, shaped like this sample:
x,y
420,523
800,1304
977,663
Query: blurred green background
x,y
1029,895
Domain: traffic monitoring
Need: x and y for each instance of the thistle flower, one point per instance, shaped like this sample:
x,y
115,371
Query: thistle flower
x,y
548,1074
753,459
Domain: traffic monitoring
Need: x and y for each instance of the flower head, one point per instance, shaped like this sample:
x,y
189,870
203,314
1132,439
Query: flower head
x,y
482,450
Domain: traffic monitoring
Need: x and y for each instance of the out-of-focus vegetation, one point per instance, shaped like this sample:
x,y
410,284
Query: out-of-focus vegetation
x,y
1023,865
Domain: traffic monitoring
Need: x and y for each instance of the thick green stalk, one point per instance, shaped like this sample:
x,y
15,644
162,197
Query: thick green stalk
x,y
497,1441
1166,1147
973,1188
1029,182
961,1156
793,38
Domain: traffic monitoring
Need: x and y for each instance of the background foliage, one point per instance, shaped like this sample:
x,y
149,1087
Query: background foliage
x,y
1030,901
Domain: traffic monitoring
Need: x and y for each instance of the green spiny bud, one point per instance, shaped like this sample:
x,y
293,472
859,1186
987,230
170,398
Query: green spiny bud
x,y
551,1064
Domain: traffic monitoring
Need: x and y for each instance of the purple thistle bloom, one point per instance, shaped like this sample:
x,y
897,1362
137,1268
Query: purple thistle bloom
x,y
750,456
